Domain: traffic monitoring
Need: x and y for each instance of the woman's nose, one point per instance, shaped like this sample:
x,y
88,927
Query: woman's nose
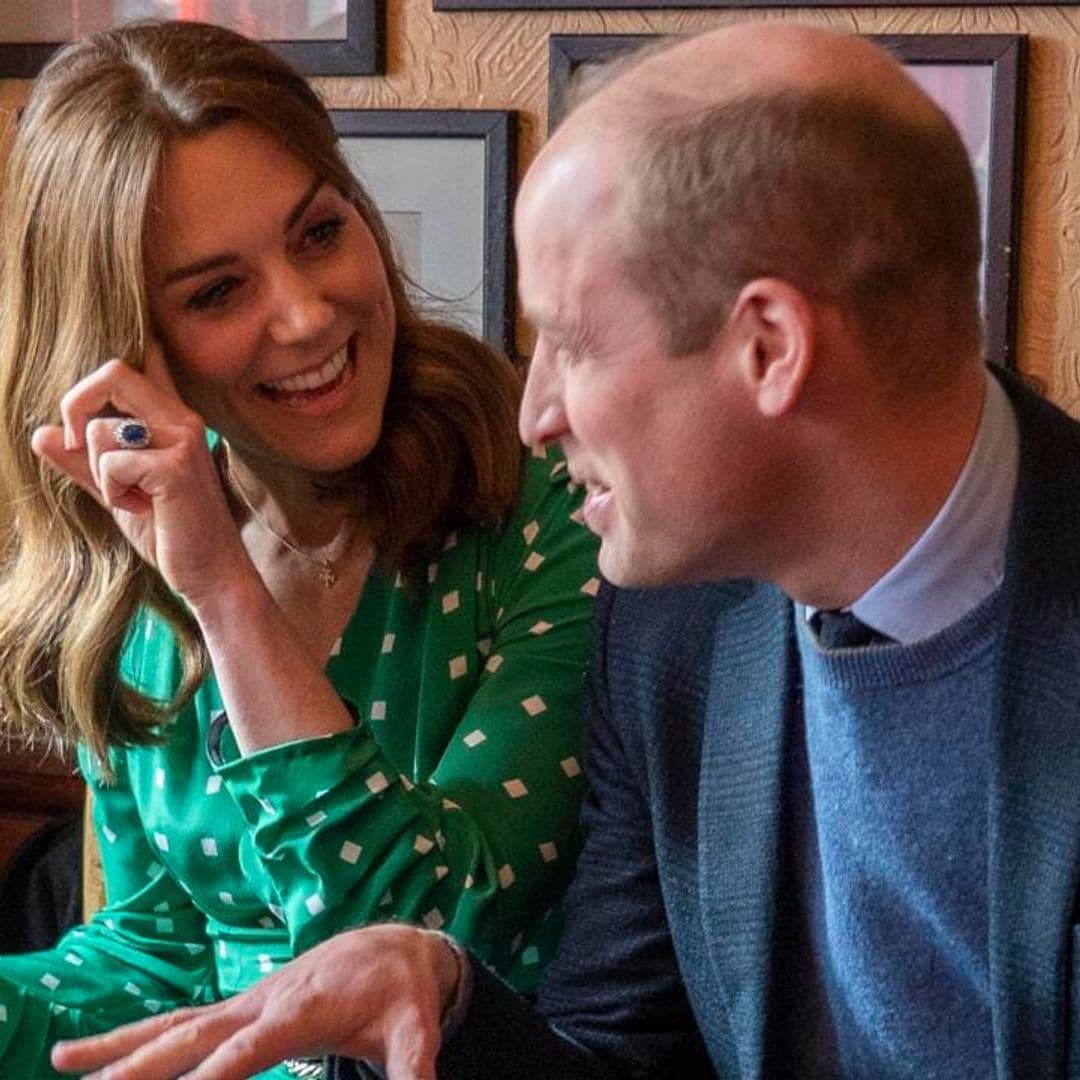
x,y
299,309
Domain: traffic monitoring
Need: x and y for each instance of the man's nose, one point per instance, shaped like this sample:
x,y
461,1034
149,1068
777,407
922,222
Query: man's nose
x,y
542,418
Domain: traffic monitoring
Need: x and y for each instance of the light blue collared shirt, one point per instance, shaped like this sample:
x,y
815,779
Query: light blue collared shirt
x,y
960,558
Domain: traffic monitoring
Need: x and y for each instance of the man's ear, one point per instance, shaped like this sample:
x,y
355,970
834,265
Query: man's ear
x,y
773,324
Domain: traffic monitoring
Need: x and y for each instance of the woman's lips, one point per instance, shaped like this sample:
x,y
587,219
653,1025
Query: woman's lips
x,y
314,390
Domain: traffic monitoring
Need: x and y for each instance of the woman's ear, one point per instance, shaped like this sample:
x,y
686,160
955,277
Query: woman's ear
x,y
774,325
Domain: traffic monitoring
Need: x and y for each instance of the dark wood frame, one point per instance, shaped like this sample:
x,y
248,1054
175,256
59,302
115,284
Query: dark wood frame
x,y
359,52
498,129
1005,54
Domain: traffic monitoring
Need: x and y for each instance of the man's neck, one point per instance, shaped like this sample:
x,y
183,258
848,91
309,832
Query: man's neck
x,y
879,489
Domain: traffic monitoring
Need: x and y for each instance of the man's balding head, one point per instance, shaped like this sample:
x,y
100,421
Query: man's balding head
x,y
768,150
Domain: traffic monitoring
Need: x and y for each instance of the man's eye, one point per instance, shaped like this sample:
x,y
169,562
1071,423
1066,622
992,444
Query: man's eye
x,y
212,295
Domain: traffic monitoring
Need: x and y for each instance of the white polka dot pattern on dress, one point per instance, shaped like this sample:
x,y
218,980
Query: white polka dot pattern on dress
x,y
459,666
213,785
515,788
388,643
159,778
548,851
162,841
315,904
534,561
534,705
316,819
474,738
531,531
377,782
226,897
570,766
451,602
591,587
49,981
209,847
494,662
506,876
378,710
434,920
350,852
74,959
422,844
541,627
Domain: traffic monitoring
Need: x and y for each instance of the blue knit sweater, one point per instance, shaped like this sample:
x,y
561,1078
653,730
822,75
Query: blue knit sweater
x,y
888,860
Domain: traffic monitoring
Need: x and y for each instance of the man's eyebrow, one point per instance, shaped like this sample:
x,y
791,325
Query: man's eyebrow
x,y
216,261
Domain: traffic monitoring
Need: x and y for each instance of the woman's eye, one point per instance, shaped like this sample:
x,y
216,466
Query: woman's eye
x,y
212,295
324,234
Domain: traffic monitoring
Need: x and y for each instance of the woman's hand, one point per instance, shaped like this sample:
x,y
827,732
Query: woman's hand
x,y
375,994
167,498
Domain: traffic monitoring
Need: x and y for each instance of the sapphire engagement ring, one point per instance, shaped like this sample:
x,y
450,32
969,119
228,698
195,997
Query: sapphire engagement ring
x,y
132,434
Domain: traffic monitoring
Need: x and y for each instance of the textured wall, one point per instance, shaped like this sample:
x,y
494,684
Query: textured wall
x,y
499,60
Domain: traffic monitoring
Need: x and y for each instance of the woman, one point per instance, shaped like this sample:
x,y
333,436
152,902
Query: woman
x,y
323,663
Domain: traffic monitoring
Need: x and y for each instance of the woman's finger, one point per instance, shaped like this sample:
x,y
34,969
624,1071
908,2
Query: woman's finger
x,y
157,369
117,387
48,442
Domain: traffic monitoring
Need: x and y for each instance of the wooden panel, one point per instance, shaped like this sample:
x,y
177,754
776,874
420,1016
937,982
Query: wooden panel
x,y
34,789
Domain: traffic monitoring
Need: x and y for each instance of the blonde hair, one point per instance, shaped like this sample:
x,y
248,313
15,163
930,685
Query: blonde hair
x,y
79,179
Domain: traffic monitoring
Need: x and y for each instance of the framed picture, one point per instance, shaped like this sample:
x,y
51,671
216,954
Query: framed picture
x,y
319,37
978,79
444,180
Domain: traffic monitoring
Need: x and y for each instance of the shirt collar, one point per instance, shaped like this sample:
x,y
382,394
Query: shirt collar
x,y
959,560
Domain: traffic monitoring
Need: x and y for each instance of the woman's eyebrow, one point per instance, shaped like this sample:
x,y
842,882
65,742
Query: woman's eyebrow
x,y
216,261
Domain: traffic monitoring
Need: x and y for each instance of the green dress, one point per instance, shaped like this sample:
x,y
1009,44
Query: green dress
x,y
452,803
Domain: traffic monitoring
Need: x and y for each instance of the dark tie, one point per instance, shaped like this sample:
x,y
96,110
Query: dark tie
x,y
840,629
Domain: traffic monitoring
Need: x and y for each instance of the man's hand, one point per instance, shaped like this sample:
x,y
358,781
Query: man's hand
x,y
377,994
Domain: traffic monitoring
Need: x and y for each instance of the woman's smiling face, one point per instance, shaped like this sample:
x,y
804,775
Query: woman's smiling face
x,y
270,297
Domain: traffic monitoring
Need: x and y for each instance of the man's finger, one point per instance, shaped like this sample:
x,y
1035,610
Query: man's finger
x,y
411,1049
162,1046
253,1048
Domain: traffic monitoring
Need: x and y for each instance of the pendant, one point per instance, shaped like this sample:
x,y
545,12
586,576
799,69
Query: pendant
x,y
327,573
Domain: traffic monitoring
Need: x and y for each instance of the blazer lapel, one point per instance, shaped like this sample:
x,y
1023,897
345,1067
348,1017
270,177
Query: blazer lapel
x,y
739,807
1034,852
1034,797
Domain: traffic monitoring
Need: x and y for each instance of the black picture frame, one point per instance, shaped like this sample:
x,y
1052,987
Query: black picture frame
x,y
1004,54
498,130
360,52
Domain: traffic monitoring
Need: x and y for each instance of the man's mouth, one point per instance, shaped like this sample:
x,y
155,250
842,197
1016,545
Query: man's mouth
x,y
314,382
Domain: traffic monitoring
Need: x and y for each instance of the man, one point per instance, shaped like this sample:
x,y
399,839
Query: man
x,y
834,828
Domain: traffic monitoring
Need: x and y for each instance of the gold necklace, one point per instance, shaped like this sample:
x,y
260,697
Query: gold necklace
x,y
325,570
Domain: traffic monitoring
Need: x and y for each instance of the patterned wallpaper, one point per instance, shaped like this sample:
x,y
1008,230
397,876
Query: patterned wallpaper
x,y
498,60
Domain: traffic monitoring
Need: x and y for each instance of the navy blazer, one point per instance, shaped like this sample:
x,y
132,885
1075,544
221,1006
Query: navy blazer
x,y
669,960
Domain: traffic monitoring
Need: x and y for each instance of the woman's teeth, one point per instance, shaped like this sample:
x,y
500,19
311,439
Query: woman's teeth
x,y
311,380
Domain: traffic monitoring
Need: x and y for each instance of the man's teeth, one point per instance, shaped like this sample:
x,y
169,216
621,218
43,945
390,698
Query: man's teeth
x,y
312,380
